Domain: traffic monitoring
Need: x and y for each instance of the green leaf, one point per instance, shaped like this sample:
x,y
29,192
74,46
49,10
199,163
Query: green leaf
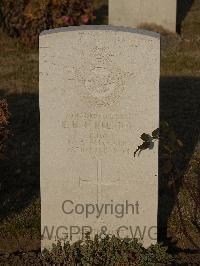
x,y
172,136
155,133
145,145
167,167
166,147
145,137
180,143
164,126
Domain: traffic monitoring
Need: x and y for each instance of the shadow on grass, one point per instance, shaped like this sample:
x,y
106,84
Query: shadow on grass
x,y
180,107
183,7
20,169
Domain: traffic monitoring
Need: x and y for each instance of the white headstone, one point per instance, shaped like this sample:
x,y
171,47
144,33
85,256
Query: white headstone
x,y
99,91
132,13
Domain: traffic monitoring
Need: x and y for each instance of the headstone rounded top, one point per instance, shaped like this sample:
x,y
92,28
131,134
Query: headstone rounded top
x,y
101,27
99,91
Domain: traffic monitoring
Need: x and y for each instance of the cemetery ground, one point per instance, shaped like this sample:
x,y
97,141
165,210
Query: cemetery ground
x,y
179,103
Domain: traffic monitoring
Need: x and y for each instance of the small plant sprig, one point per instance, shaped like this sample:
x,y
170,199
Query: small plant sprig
x,y
108,251
171,158
148,141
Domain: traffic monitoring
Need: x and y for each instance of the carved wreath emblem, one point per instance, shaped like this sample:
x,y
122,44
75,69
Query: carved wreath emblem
x,y
103,82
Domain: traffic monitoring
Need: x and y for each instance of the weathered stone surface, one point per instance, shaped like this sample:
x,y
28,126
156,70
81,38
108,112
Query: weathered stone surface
x,y
99,91
132,13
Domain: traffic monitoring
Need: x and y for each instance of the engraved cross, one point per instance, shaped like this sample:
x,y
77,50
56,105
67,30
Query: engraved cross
x,y
99,183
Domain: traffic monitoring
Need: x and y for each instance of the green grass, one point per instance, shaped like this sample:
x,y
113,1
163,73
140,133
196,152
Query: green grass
x,y
25,223
191,24
18,66
188,215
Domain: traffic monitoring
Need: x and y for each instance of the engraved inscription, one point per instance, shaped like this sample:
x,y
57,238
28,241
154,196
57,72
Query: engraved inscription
x,y
99,132
115,121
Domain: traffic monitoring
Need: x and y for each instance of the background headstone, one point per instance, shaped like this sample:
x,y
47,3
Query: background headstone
x,y
132,13
99,91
